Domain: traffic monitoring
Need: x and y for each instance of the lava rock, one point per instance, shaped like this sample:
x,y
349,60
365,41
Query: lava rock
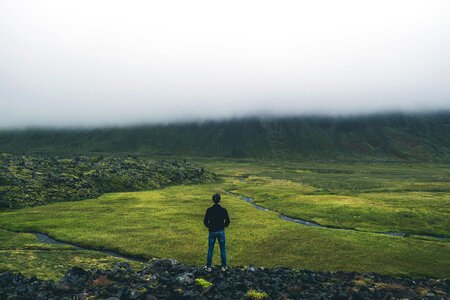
x,y
185,278
168,279
160,265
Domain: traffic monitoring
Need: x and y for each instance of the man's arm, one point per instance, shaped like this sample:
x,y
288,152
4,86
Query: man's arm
x,y
206,218
227,219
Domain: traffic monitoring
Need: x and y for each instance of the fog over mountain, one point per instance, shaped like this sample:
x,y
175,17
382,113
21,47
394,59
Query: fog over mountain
x,y
90,63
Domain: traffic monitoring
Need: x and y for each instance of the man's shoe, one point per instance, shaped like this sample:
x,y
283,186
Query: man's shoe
x,y
223,269
207,269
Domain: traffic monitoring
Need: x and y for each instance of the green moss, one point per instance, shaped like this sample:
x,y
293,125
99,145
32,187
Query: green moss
x,y
203,283
253,294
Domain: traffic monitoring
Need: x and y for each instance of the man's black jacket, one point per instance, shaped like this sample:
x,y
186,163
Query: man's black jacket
x,y
216,218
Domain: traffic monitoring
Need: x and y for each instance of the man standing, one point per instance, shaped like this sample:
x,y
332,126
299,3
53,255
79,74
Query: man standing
x,y
216,219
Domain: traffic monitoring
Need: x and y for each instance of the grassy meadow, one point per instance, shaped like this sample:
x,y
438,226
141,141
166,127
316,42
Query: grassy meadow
x,y
412,198
376,197
24,253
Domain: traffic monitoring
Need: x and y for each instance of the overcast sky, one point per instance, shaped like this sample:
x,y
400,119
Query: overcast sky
x,y
104,62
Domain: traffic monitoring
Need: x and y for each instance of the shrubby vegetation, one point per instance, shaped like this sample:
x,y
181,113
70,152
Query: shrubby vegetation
x,y
40,179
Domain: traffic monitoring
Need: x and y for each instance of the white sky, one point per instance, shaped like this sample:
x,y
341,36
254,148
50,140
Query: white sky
x,y
104,62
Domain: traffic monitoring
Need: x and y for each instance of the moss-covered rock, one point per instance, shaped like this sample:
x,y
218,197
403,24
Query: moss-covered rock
x,y
40,179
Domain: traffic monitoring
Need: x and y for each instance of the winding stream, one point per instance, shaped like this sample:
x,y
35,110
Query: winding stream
x,y
313,224
44,238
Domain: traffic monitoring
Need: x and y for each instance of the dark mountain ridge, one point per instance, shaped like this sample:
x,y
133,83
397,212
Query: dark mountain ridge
x,y
384,137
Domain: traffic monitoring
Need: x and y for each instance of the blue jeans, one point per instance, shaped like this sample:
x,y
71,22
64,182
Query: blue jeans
x,y
220,235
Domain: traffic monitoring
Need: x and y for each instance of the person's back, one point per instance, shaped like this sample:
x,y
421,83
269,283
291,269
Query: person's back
x,y
216,219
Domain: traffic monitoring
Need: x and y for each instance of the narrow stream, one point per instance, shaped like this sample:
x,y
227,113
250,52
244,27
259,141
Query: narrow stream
x,y
313,224
44,238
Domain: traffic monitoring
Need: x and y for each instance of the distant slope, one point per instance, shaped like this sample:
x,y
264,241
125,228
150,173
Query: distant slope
x,y
424,137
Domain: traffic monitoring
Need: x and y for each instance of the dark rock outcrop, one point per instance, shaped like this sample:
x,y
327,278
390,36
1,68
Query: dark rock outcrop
x,y
168,279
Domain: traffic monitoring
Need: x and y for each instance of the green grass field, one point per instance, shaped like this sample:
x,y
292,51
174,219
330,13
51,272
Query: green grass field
x,y
413,198
22,252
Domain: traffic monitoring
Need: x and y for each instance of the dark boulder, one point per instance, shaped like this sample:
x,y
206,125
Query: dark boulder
x,y
160,265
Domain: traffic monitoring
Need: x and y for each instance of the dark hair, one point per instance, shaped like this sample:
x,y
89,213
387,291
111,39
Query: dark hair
x,y
216,198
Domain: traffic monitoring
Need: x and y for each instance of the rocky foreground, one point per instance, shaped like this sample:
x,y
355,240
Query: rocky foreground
x,y
168,279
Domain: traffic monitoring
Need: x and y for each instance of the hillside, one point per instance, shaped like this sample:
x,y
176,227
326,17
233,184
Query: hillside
x,y
419,137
